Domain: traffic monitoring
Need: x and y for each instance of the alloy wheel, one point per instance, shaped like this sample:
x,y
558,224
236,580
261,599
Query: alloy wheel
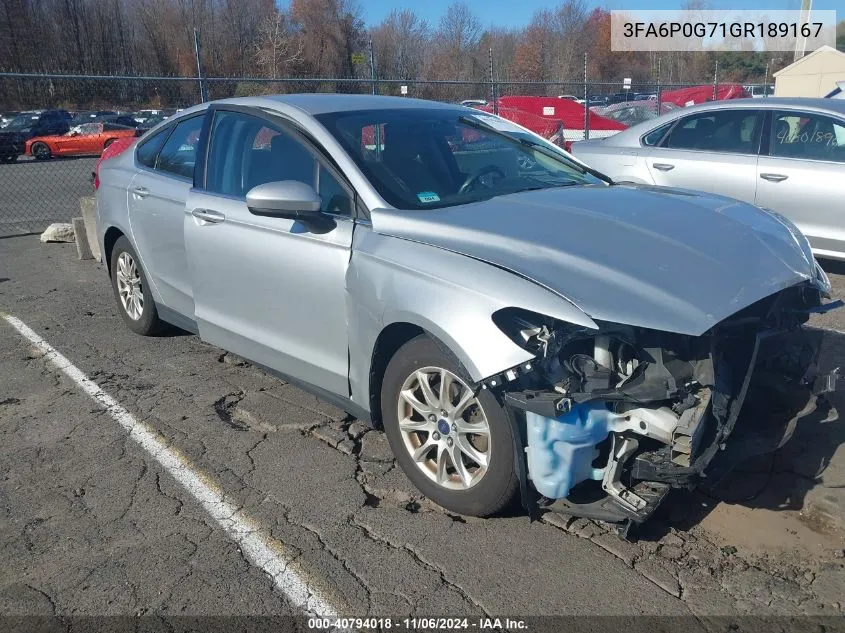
x,y
444,428
41,151
129,286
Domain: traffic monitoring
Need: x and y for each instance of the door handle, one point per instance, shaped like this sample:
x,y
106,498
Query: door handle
x,y
141,192
774,177
663,166
207,215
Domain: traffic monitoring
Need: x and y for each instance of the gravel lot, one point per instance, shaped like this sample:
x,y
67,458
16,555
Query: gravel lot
x,y
90,524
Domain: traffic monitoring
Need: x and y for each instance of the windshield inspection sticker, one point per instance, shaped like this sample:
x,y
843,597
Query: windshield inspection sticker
x,y
428,196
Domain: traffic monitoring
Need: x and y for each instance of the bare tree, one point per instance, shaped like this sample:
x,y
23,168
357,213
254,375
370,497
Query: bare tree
x,y
331,31
455,42
460,27
276,48
400,44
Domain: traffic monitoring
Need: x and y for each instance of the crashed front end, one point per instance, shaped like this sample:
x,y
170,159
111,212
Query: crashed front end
x,y
610,421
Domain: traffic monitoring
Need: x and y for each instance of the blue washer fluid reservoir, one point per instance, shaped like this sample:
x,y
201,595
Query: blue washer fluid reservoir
x,y
561,450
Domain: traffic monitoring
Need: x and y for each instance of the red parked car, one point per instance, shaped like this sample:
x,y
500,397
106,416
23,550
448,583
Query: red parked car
x,y
556,119
81,140
702,94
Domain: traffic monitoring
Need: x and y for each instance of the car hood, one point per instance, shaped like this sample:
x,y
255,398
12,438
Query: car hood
x,y
667,259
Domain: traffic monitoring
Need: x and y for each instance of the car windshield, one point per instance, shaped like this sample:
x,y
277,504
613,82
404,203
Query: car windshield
x,y
429,158
85,129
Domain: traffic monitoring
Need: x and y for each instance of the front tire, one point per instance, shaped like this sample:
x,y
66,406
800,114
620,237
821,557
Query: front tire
x,y
129,282
10,159
41,151
456,446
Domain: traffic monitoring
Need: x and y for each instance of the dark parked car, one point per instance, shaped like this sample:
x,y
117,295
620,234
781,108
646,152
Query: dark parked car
x,y
122,119
153,120
27,125
92,116
6,118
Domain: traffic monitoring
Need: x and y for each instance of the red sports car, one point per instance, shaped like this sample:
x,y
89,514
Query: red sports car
x,y
85,139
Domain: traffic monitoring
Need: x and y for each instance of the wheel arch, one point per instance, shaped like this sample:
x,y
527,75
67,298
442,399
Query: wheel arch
x,y
41,142
396,333
388,342
110,237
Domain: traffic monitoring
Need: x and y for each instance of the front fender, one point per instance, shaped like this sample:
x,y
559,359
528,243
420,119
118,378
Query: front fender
x,y
451,296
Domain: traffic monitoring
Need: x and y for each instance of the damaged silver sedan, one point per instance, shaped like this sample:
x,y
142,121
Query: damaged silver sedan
x,y
517,324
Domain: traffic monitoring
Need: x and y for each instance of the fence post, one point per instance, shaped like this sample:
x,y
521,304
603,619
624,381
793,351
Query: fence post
x,y
373,68
586,103
766,82
659,96
199,65
716,81
493,83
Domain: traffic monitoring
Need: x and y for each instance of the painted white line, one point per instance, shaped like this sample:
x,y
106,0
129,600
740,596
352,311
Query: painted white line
x,y
266,553
826,329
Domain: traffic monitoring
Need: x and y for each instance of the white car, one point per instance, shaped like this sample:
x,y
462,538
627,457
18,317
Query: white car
x,y
784,155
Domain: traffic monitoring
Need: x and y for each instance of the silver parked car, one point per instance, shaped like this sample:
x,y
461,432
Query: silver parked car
x,y
786,155
511,319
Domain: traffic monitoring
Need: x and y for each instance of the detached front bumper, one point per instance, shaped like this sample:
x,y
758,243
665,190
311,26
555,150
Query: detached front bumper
x,y
783,387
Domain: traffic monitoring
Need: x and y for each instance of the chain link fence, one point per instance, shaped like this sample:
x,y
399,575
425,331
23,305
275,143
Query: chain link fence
x,y
37,191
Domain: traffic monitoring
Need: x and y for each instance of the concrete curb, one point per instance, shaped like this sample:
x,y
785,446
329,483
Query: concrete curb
x,y
88,206
82,249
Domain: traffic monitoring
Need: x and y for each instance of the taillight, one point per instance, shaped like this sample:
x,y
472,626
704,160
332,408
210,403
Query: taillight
x,y
567,145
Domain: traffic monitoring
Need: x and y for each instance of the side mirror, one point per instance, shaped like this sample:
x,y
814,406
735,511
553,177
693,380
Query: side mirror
x,y
285,199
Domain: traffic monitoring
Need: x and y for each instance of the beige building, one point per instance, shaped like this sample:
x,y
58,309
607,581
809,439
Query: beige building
x,y
814,75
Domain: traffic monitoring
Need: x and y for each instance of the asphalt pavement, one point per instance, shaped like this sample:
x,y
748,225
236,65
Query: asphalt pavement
x,y
117,453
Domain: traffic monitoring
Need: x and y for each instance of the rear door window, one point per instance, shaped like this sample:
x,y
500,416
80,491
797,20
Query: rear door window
x,y
724,131
179,154
653,138
148,150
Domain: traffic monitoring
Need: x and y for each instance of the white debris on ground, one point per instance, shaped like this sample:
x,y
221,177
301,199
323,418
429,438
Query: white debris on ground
x,y
58,232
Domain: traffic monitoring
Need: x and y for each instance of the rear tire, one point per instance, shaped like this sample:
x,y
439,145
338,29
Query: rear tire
x,y
131,290
107,143
41,151
468,467
9,159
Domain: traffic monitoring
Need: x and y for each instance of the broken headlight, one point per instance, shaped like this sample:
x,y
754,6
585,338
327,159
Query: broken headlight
x,y
529,330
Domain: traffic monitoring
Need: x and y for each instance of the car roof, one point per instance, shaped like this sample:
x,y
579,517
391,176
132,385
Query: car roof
x,y
631,136
771,103
323,103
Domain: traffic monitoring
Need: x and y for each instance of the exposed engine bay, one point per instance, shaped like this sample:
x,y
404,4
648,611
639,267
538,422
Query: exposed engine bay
x,y
612,420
